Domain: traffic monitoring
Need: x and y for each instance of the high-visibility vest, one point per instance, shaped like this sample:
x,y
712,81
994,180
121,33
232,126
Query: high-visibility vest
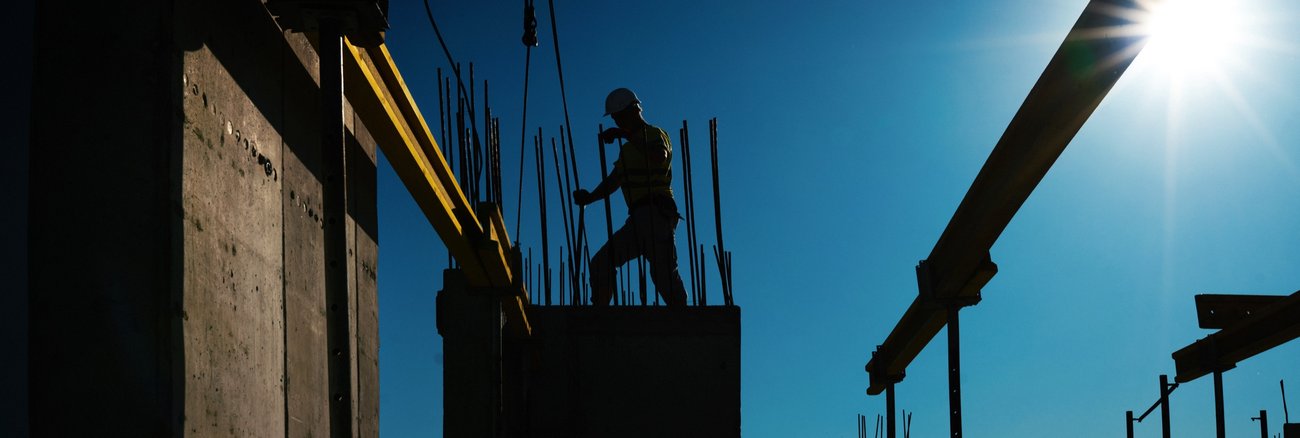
x,y
646,161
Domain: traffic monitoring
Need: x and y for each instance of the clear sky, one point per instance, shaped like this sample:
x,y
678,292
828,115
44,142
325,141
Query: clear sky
x,y
849,132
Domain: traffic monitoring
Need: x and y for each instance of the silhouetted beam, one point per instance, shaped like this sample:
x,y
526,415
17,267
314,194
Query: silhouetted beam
x,y
1215,311
1220,351
1100,46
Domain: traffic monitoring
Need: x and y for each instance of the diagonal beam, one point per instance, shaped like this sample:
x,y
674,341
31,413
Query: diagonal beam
x,y
1271,326
1096,52
478,242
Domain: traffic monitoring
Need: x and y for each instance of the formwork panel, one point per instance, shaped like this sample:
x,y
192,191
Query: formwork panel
x,y
306,365
363,251
231,312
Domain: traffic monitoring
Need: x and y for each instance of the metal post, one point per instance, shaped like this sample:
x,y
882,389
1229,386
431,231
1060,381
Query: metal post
x,y
1164,406
1219,428
334,186
1128,423
954,373
889,409
1263,423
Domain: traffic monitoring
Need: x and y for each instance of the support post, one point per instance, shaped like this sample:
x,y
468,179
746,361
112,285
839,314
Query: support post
x,y
889,409
1263,423
1164,405
334,186
954,373
1128,423
1219,427
470,323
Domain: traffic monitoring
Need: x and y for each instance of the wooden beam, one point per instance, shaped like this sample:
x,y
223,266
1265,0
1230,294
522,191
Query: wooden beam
x,y
1215,311
478,241
1271,326
1098,49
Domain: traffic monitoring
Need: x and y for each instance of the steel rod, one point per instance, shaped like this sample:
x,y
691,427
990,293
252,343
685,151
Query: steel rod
x,y
1219,426
523,136
560,177
609,218
541,211
1164,406
717,205
685,199
954,372
889,412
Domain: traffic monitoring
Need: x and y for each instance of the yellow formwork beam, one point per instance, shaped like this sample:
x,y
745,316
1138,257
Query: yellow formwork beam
x,y
380,98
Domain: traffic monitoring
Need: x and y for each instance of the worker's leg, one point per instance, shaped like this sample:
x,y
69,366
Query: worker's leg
x,y
661,248
621,247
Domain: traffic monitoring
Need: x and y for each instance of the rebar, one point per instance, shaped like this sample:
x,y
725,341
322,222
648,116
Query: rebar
x,y
609,221
541,207
564,211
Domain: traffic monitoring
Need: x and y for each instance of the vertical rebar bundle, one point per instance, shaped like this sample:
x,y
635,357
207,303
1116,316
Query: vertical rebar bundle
x,y
720,252
688,201
609,221
541,211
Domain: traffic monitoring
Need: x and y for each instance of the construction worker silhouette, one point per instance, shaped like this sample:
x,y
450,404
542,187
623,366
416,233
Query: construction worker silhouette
x,y
644,172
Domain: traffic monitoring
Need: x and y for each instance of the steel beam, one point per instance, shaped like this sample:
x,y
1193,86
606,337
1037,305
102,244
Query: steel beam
x,y
1221,350
1098,49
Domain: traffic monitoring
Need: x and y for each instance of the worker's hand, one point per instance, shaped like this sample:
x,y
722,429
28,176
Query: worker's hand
x,y
612,134
583,197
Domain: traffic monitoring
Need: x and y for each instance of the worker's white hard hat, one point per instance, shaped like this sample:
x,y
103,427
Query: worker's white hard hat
x,y
619,100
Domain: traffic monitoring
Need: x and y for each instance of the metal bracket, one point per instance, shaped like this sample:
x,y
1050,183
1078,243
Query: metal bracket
x,y
881,377
925,282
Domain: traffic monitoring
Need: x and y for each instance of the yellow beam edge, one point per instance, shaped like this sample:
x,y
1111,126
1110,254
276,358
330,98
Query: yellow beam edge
x,y
385,106
374,105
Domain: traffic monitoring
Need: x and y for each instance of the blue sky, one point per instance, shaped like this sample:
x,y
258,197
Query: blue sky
x,y
849,131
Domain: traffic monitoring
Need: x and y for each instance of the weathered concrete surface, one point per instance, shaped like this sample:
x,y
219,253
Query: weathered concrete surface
x,y
626,371
176,257
363,253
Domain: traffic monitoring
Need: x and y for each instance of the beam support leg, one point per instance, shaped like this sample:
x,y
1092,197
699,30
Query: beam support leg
x,y
1128,423
1219,427
954,373
1164,405
889,409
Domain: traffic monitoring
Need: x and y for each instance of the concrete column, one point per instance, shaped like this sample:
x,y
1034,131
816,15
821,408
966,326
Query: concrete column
x,y
470,324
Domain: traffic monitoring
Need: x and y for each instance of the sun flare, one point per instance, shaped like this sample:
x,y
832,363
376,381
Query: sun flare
x,y
1193,37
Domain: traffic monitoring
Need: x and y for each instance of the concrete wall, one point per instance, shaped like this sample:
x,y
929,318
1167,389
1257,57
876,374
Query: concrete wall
x,y
176,239
17,97
627,372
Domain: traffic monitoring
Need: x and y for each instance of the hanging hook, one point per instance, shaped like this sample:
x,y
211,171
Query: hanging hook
x,y
530,24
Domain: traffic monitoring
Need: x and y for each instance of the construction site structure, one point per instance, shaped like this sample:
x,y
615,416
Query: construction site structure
x,y
959,266
202,246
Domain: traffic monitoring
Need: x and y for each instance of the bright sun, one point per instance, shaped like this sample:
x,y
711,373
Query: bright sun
x,y
1193,36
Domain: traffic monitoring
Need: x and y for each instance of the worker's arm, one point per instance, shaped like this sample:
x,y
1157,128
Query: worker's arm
x,y
602,190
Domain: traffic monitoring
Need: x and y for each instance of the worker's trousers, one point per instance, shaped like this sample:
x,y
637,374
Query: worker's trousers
x,y
648,232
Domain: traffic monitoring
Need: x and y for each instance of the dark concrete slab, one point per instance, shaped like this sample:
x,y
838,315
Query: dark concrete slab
x,y
628,371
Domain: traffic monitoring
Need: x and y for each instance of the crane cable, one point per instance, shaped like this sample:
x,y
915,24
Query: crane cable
x,y
568,127
530,40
